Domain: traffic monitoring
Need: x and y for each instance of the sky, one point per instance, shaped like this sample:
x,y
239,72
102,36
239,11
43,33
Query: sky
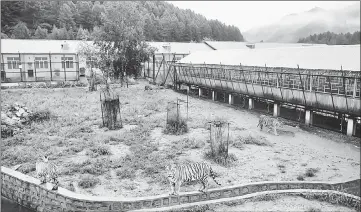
x,y
248,14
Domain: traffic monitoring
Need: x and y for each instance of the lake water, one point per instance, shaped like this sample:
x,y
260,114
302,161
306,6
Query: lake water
x,y
10,206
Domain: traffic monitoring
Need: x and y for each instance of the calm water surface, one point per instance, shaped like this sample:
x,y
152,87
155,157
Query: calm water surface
x,y
10,206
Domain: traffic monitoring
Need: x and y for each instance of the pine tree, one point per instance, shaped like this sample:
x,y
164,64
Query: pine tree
x,y
20,31
66,17
40,33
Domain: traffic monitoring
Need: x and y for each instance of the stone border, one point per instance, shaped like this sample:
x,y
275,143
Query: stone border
x,y
333,197
27,191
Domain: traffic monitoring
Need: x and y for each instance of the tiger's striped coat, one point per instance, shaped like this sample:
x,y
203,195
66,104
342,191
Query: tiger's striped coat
x,y
269,122
188,172
45,169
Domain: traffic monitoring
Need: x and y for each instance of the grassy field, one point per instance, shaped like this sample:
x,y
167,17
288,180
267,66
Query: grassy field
x,y
130,162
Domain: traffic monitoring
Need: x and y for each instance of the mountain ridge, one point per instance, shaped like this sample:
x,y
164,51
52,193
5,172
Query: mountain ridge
x,y
292,27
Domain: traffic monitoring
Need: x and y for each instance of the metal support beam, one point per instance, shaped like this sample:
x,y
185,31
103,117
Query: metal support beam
x,y
351,123
309,117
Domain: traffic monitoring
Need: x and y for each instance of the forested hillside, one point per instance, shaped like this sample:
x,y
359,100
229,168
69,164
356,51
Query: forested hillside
x,y
333,38
161,21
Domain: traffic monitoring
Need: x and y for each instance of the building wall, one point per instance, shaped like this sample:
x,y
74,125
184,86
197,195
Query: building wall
x,y
53,70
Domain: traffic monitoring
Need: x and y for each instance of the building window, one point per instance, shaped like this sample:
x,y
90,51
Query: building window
x,y
41,62
13,62
67,62
30,73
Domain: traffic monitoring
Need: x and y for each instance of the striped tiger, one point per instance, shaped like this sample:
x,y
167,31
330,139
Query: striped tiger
x,y
44,168
269,122
188,172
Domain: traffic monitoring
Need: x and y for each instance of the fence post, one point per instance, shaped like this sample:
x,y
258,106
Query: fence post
x,y
153,68
51,71
35,70
77,67
64,62
21,74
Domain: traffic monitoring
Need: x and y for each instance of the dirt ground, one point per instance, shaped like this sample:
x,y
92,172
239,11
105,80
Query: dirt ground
x,y
130,162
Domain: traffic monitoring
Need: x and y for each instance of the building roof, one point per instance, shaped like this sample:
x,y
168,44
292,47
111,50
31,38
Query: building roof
x,y
38,46
179,48
313,57
54,46
219,45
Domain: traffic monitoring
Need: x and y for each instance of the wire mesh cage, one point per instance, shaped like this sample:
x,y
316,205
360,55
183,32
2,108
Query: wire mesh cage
x,y
177,122
110,107
219,138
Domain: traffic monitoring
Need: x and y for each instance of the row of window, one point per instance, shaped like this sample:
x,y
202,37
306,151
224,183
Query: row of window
x,y
40,62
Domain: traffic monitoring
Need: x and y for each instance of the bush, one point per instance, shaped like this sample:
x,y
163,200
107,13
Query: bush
x,y
38,116
176,127
224,160
311,172
125,173
88,182
6,131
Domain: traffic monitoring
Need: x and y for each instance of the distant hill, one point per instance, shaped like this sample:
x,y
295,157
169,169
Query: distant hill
x,y
70,20
317,20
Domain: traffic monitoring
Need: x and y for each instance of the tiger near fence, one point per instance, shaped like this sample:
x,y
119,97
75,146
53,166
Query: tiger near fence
x,y
270,123
45,169
189,172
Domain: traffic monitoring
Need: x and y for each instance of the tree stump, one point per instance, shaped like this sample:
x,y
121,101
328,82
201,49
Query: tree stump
x,y
110,107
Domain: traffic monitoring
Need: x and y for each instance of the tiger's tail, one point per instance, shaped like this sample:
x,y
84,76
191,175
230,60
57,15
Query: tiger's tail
x,y
213,176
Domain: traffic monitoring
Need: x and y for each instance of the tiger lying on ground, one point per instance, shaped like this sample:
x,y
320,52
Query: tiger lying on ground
x,y
44,168
269,122
188,172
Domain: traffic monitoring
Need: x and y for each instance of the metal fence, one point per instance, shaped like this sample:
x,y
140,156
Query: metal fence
x,y
158,67
40,71
337,82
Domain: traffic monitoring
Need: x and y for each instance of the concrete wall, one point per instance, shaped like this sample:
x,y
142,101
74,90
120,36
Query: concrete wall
x,y
28,192
325,101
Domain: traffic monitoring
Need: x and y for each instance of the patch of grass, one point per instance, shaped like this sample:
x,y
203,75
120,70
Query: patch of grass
x,y
99,150
88,182
93,167
312,209
220,159
311,172
125,173
267,197
260,141
40,115
188,143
